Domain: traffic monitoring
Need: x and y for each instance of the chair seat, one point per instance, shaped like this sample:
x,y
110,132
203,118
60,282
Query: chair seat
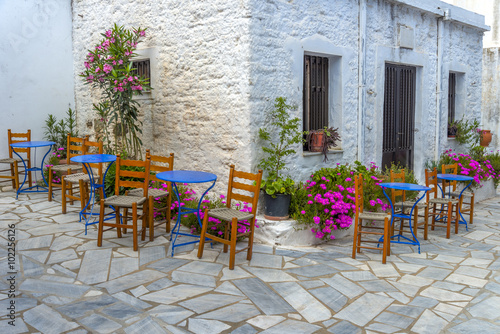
x,y
409,204
228,214
374,215
63,168
9,160
464,194
151,192
124,201
74,178
443,200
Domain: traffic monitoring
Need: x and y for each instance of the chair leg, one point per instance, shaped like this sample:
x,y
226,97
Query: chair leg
x,y
70,190
250,239
12,172
16,176
457,217
426,222
144,219
63,193
125,218
387,240
448,220
415,224
204,226
355,238
226,235
134,222
50,184
151,210
471,208
30,180
118,222
232,248
168,214
83,197
101,224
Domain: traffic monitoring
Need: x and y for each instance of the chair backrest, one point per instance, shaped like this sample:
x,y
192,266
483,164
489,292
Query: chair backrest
x,y
127,178
253,187
158,165
398,177
94,147
75,146
431,181
19,138
450,169
358,194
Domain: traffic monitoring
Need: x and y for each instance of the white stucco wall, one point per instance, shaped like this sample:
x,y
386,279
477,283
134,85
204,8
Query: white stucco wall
x,y
218,66
199,108
36,65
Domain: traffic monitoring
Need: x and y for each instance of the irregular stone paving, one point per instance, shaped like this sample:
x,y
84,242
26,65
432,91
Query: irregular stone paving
x,y
66,284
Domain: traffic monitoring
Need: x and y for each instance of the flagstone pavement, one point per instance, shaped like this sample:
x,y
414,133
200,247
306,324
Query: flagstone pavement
x,y
64,283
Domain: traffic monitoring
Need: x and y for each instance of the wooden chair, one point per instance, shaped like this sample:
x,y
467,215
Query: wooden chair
x,y
14,161
82,179
398,198
74,148
467,195
154,193
448,207
232,217
369,229
118,201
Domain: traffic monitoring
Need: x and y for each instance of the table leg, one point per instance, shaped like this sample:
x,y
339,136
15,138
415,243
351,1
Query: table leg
x,y
462,220
183,211
27,170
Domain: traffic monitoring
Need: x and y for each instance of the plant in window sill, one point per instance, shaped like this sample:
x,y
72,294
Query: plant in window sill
x,y
467,132
322,140
452,129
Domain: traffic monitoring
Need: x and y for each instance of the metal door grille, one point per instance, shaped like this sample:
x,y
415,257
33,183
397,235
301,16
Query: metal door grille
x,y
315,92
399,115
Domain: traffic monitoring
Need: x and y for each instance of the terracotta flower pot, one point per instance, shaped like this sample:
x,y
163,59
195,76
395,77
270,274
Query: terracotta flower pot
x,y
316,142
485,138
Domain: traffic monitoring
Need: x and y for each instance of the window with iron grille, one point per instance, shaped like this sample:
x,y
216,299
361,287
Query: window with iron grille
x,y
142,68
315,92
452,92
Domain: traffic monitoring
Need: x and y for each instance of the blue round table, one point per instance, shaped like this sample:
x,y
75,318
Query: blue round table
x,y
405,187
186,176
86,160
29,145
455,177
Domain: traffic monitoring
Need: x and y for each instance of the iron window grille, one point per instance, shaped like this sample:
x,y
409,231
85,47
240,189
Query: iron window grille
x,y
142,68
315,97
452,93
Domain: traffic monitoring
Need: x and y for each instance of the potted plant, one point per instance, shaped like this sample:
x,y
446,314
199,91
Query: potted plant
x,y
485,137
452,129
280,134
322,140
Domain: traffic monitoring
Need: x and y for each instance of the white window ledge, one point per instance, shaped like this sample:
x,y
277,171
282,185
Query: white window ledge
x,y
332,151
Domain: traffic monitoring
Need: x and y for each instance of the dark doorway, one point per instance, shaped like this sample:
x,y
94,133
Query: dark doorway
x,y
399,115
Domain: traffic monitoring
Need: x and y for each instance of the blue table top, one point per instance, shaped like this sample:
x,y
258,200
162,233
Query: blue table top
x,y
404,186
28,144
186,176
94,158
454,177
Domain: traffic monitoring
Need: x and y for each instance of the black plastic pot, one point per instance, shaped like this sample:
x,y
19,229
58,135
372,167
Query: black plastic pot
x,y
276,208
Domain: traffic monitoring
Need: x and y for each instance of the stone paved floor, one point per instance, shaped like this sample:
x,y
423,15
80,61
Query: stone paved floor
x,y
65,283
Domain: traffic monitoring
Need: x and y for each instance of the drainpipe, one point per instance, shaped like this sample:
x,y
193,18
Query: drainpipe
x,y
361,79
439,86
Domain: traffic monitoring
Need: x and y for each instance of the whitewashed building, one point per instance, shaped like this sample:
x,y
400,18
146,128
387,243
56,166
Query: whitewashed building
x,y
217,66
